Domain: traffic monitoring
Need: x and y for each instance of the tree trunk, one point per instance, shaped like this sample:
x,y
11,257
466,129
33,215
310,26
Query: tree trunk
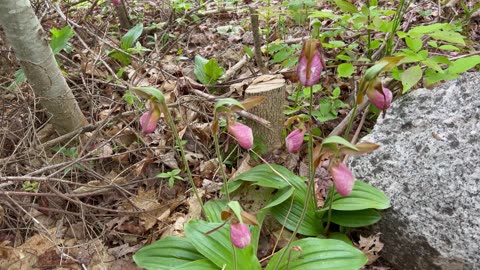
x,y
271,109
122,15
33,52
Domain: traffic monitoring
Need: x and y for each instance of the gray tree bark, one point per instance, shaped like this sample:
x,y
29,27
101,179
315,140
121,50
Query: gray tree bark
x,y
33,52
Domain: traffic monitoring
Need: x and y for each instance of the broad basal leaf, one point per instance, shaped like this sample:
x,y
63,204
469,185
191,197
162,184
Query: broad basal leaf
x,y
363,196
273,176
167,253
131,37
198,265
218,248
354,219
213,210
288,214
318,254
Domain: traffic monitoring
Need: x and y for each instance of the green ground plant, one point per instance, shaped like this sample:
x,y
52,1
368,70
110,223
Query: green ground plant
x,y
228,237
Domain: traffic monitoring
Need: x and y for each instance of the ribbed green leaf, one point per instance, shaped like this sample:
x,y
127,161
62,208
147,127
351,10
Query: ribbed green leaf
x,y
131,37
213,210
281,196
198,265
363,196
199,70
318,254
217,246
167,253
264,176
150,91
338,140
354,219
288,214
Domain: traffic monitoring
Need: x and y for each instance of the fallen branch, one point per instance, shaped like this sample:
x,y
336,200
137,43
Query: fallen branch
x,y
244,114
341,127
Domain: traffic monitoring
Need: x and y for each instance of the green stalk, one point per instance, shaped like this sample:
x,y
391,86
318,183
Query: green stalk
x,y
396,23
330,202
369,34
310,190
171,123
220,164
350,122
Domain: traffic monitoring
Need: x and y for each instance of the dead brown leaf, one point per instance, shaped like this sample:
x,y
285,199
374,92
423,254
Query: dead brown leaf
x,y
370,246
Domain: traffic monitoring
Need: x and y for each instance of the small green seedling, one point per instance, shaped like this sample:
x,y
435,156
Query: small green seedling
x,y
171,175
30,186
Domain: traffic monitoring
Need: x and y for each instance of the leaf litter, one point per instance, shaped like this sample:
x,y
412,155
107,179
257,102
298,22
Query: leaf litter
x,y
97,204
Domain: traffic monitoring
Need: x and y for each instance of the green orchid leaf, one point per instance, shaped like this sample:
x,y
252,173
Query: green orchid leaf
x,y
318,254
167,253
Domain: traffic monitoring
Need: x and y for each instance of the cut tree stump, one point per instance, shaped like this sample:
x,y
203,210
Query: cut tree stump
x,y
273,88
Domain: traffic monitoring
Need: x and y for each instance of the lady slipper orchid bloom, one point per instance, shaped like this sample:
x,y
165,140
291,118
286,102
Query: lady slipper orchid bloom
x,y
240,235
294,140
343,179
242,133
149,120
381,101
310,63
116,2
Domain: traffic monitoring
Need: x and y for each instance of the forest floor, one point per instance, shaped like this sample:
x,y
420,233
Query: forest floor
x,y
93,197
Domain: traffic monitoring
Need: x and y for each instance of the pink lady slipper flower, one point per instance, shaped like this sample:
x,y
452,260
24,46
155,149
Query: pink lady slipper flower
x,y
116,2
149,120
240,235
242,133
381,101
343,179
310,63
294,140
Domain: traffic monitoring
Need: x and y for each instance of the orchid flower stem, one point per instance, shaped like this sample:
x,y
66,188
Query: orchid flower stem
x,y
311,169
234,253
330,202
171,123
220,165
310,189
369,35
350,122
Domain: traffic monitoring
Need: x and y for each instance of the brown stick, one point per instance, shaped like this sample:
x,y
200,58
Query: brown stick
x,y
244,114
341,127
257,40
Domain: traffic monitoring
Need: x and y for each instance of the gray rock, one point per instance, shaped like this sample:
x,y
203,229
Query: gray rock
x,y
428,164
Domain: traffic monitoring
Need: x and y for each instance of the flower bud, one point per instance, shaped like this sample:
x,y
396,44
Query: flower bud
x,y
148,120
343,179
381,101
242,133
240,235
294,140
310,63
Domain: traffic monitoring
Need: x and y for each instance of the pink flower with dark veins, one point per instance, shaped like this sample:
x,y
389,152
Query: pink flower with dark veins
x,y
381,101
310,63
240,235
343,179
242,133
294,140
149,120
